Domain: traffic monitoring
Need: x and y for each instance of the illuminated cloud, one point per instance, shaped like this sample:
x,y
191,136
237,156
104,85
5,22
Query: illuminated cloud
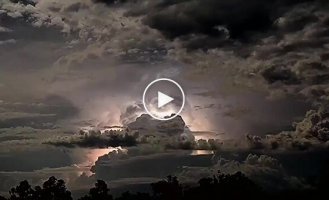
x,y
264,170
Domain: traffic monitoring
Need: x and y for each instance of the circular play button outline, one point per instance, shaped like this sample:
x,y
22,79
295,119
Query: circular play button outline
x,y
179,87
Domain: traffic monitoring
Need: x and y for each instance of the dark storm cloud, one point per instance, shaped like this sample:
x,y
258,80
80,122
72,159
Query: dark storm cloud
x,y
51,104
139,162
62,107
204,16
42,114
313,73
211,22
265,170
281,43
25,2
280,74
23,23
34,160
211,26
21,27
32,120
310,133
289,58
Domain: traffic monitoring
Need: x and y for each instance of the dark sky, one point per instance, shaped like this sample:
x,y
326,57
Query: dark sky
x,y
253,67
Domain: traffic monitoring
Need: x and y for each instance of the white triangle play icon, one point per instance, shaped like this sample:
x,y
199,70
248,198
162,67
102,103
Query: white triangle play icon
x,y
163,99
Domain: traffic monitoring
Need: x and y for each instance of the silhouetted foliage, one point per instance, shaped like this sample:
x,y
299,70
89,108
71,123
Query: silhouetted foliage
x,y
138,196
236,186
323,181
23,191
52,189
221,186
169,189
99,192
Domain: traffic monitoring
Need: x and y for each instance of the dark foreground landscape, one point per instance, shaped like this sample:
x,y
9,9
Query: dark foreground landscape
x,y
221,186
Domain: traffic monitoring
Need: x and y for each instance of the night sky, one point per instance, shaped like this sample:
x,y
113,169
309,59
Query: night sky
x,y
255,74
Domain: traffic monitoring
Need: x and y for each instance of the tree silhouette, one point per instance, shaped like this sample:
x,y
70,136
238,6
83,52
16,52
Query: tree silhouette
x,y
138,196
23,191
99,192
221,186
225,186
169,189
52,189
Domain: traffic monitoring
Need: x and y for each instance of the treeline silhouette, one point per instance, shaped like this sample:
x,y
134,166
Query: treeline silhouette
x,y
221,186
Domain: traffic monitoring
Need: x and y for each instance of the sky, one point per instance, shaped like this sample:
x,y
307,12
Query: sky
x,y
255,75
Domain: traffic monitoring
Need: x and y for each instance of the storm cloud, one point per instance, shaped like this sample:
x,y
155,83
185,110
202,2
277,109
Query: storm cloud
x,y
249,69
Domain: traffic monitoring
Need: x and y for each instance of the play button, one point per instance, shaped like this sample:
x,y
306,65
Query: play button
x,y
163,99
